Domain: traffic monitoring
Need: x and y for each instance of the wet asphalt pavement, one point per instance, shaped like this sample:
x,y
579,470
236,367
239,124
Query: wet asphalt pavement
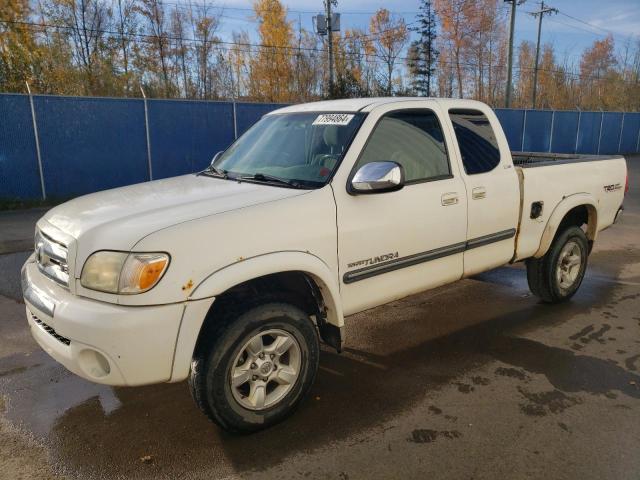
x,y
472,380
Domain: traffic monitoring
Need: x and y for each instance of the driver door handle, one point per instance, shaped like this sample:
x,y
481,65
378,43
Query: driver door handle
x,y
448,199
479,193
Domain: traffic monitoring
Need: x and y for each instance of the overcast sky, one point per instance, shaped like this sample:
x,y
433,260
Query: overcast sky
x,y
569,36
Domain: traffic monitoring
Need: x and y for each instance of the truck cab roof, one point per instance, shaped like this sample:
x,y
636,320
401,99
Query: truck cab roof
x,y
368,104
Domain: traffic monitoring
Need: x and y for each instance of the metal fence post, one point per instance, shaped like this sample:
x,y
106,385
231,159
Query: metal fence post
x,y
146,129
524,127
575,150
600,132
553,117
235,121
37,139
621,130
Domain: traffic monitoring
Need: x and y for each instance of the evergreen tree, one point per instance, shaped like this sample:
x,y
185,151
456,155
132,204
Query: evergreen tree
x,y
422,52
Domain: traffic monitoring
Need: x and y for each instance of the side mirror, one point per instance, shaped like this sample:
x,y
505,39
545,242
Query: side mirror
x,y
216,157
378,177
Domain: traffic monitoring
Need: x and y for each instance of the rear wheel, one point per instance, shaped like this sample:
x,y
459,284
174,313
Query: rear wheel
x,y
557,275
256,370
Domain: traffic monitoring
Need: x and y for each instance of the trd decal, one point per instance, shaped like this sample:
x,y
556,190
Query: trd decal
x,y
613,187
373,260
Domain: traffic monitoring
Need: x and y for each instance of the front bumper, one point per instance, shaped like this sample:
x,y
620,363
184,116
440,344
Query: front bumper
x,y
102,342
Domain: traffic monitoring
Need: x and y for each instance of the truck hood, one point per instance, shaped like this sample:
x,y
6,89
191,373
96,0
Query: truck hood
x,y
117,219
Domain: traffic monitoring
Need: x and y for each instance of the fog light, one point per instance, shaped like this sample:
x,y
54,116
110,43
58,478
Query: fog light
x,y
94,364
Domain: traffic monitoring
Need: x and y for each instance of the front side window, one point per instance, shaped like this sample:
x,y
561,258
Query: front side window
x,y
412,138
476,139
301,148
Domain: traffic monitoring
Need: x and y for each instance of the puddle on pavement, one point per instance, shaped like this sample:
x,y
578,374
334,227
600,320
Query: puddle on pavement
x,y
39,392
565,370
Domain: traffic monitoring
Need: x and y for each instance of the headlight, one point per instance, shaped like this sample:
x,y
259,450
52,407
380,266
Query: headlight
x,y
124,273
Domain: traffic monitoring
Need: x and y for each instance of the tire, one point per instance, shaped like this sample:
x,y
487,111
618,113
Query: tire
x,y
556,276
233,350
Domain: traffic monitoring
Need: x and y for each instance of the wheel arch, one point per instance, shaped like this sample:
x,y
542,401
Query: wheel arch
x,y
579,209
271,274
249,269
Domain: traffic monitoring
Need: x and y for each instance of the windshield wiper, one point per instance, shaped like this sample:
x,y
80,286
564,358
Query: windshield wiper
x,y
214,171
262,177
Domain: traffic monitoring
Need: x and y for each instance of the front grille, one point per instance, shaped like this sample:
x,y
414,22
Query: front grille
x,y
51,257
50,330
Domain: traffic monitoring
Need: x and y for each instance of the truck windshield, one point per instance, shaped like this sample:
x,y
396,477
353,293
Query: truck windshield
x,y
290,149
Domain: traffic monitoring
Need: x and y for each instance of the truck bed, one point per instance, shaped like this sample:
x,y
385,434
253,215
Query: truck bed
x,y
536,159
559,177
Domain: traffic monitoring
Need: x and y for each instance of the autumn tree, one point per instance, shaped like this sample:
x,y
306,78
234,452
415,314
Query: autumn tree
x,y
549,78
350,64
598,60
597,72
486,44
422,55
271,68
204,25
87,23
111,47
456,17
56,71
181,51
126,26
156,47
240,59
388,37
497,59
19,54
524,84
629,67
473,34
308,65
446,74
361,61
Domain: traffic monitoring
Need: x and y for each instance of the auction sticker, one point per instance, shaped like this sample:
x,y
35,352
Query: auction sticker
x,y
333,119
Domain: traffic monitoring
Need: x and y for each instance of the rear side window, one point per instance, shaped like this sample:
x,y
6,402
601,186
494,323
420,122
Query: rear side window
x,y
476,139
412,138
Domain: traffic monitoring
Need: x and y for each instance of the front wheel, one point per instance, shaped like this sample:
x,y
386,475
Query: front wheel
x,y
255,372
557,275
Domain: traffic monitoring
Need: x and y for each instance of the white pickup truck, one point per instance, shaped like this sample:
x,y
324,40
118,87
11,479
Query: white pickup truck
x,y
231,277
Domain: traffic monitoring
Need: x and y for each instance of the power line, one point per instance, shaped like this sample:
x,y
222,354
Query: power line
x,y
289,10
587,23
577,27
188,7
591,25
219,44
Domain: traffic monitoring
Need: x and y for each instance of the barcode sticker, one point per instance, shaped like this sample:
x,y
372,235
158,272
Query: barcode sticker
x,y
333,119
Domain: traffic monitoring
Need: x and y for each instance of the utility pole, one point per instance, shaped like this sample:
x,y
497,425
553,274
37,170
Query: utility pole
x,y
330,40
507,99
325,24
540,13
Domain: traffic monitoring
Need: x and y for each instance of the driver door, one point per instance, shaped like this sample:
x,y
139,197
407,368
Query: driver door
x,y
393,244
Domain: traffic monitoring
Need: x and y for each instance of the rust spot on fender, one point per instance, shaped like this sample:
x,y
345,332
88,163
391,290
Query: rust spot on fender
x,y
188,286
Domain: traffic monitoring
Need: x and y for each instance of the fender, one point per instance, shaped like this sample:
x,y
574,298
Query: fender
x,y
560,211
203,295
247,269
